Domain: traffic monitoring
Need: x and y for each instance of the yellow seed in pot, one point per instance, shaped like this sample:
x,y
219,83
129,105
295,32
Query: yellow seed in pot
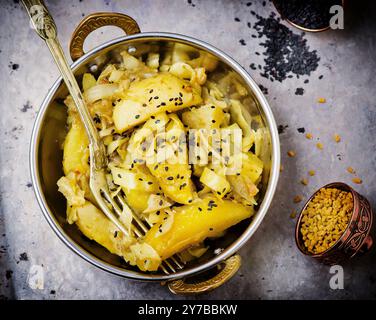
x,y
325,218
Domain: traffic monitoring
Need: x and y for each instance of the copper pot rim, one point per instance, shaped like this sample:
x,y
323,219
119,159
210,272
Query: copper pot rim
x,y
342,186
301,27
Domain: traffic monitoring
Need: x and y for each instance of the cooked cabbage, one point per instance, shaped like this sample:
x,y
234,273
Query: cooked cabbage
x,y
156,111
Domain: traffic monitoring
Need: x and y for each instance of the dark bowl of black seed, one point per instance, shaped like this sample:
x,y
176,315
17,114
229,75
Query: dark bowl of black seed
x,y
307,15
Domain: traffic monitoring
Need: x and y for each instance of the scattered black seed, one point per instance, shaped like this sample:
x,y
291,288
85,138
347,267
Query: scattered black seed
x,y
166,168
282,128
15,66
237,19
24,257
306,81
301,130
156,97
320,77
26,107
286,53
160,202
242,42
263,89
249,25
52,292
170,178
29,184
137,116
249,4
115,234
299,91
199,209
8,274
151,91
119,175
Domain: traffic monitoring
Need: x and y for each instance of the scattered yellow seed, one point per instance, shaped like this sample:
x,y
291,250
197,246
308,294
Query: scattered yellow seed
x,y
319,145
350,170
309,136
325,219
304,181
321,100
293,214
298,198
291,153
357,180
337,138
311,173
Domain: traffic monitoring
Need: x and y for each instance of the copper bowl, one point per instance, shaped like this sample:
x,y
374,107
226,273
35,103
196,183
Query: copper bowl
x,y
355,239
300,26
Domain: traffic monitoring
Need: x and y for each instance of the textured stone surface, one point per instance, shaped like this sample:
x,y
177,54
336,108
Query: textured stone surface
x,y
272,266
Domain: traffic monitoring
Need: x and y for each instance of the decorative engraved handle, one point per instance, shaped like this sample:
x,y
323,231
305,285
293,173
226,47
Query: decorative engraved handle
x,y
231,266
45,27
95,21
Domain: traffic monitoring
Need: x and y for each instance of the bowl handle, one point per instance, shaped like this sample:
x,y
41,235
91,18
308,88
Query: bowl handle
x,y
95,21
231,266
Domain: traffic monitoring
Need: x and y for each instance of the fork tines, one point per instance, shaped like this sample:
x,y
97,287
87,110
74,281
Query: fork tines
x,y
171,264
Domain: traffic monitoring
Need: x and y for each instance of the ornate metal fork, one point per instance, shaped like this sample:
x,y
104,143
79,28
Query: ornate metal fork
x,y
112,207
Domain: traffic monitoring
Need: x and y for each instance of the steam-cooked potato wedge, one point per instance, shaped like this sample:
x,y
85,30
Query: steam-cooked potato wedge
x,y
95,226
76,149
204,117
193,223
163,92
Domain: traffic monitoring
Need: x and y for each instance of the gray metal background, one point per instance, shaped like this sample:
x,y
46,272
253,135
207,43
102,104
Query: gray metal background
x,y
272,266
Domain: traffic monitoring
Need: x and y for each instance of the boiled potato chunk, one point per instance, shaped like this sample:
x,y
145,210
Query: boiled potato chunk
x,y
76,149
204,117
95,226
163,92
193,223
138,184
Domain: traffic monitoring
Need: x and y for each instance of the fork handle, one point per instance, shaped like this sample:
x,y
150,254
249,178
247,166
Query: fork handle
x,y
45,26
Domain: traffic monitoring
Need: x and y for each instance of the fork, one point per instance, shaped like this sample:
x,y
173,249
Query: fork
x,y
112,206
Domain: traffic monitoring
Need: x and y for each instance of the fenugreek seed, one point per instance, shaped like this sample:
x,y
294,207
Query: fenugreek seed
x,y
291,153
304,181
357,180
325,218
311,173
298,199
309,136
321,100
337,138
350,170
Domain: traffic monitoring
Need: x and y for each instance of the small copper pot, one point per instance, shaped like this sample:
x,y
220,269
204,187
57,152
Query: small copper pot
x,y
302,27
355,240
